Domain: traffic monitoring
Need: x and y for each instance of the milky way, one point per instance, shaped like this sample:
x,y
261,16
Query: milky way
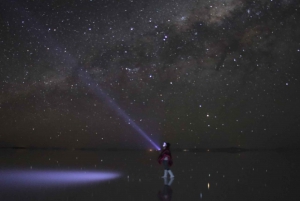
x,y
195,73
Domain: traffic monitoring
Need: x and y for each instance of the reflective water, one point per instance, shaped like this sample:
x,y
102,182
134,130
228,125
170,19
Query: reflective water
x,y
85,175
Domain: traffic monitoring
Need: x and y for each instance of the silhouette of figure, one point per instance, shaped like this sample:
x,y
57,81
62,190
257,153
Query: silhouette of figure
x,y
165,158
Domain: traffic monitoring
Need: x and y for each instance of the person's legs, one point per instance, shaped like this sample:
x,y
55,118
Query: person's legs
x,y
166,168
166,164
171,173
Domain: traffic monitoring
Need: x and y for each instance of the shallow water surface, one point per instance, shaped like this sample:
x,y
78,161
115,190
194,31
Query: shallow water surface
x,y
135,175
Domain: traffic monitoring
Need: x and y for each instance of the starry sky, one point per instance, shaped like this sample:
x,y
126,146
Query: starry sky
x,y
196,73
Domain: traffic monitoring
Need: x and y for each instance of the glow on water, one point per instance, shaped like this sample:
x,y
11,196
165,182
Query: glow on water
x,y
53,177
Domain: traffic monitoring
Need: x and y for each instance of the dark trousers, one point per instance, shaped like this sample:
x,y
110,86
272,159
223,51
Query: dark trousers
x,y
166,165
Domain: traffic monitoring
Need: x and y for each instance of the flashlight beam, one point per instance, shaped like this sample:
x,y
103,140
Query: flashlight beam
x,y
69,60
85,77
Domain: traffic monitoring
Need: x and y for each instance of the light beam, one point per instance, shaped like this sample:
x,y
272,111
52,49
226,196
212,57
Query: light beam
x,y
85,77
47,178
69,60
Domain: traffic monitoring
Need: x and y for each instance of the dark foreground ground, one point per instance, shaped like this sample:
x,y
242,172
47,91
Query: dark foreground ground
x,y
250,175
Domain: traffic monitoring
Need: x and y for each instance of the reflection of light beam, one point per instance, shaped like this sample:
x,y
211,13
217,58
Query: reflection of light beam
x,y
14,178
84,76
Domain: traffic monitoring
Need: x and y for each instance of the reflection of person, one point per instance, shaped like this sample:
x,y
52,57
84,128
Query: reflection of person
x,y
166,193
165,158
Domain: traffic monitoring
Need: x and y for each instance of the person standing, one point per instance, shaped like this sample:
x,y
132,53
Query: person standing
x,y
165,158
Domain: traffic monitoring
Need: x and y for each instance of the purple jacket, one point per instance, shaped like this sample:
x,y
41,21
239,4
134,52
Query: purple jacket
x,y
165,153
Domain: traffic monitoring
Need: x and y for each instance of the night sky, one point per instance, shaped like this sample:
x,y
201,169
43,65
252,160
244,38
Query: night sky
x,y
195,73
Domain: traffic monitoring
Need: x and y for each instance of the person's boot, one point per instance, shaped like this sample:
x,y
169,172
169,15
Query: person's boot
x,y
165,174
171,174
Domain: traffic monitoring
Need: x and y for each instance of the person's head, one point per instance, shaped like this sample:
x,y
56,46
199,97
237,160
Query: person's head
x,y
166,145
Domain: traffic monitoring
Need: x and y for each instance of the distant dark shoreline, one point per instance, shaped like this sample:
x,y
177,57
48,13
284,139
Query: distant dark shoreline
x,y
202,150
